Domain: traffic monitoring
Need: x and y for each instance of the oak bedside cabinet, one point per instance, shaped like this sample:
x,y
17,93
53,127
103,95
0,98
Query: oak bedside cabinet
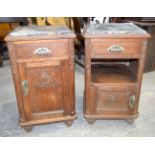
x,y
114,62
42,61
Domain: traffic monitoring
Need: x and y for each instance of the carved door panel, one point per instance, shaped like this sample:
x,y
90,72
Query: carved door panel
x,y
43,87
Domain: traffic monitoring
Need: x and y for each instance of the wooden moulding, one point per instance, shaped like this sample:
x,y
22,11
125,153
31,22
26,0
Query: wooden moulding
x,y
47,120
98,117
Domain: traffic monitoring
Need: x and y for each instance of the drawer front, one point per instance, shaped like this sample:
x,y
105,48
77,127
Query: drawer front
x,y
41,49
115,48
114,100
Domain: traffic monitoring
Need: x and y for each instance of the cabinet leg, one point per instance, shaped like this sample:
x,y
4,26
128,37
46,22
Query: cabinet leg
x,y
28,128
91,121
69,123
130,121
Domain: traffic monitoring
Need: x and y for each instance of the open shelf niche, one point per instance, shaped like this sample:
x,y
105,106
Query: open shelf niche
x,y
114,71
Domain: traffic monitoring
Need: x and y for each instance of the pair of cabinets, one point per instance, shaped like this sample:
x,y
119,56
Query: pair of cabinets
x,y
42,61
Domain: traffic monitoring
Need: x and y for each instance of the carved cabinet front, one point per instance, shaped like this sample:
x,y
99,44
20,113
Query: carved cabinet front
x,y
43,88
43,73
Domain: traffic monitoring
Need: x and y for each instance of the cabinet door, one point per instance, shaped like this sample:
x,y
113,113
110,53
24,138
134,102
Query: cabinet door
x,y
109,100
44,87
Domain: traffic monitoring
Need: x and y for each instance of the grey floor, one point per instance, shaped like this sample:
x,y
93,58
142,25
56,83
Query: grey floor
x,y
143,126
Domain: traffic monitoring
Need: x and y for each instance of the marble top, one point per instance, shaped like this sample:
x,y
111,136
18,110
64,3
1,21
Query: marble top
x,y
40,30
114,28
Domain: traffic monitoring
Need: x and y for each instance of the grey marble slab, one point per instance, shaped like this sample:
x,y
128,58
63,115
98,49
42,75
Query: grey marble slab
x,y
114,28
40,30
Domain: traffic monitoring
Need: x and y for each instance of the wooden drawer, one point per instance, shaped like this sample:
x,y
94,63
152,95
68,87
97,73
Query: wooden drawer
x,y
113,100
41,49
115,48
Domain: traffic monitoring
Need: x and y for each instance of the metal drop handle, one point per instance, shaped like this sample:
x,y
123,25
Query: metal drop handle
x,y
42,51
115,49
25,87
132,101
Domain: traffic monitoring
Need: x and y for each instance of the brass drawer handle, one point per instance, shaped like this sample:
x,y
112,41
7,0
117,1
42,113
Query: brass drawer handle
x,y
42,51
132,101
115,49
25,87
